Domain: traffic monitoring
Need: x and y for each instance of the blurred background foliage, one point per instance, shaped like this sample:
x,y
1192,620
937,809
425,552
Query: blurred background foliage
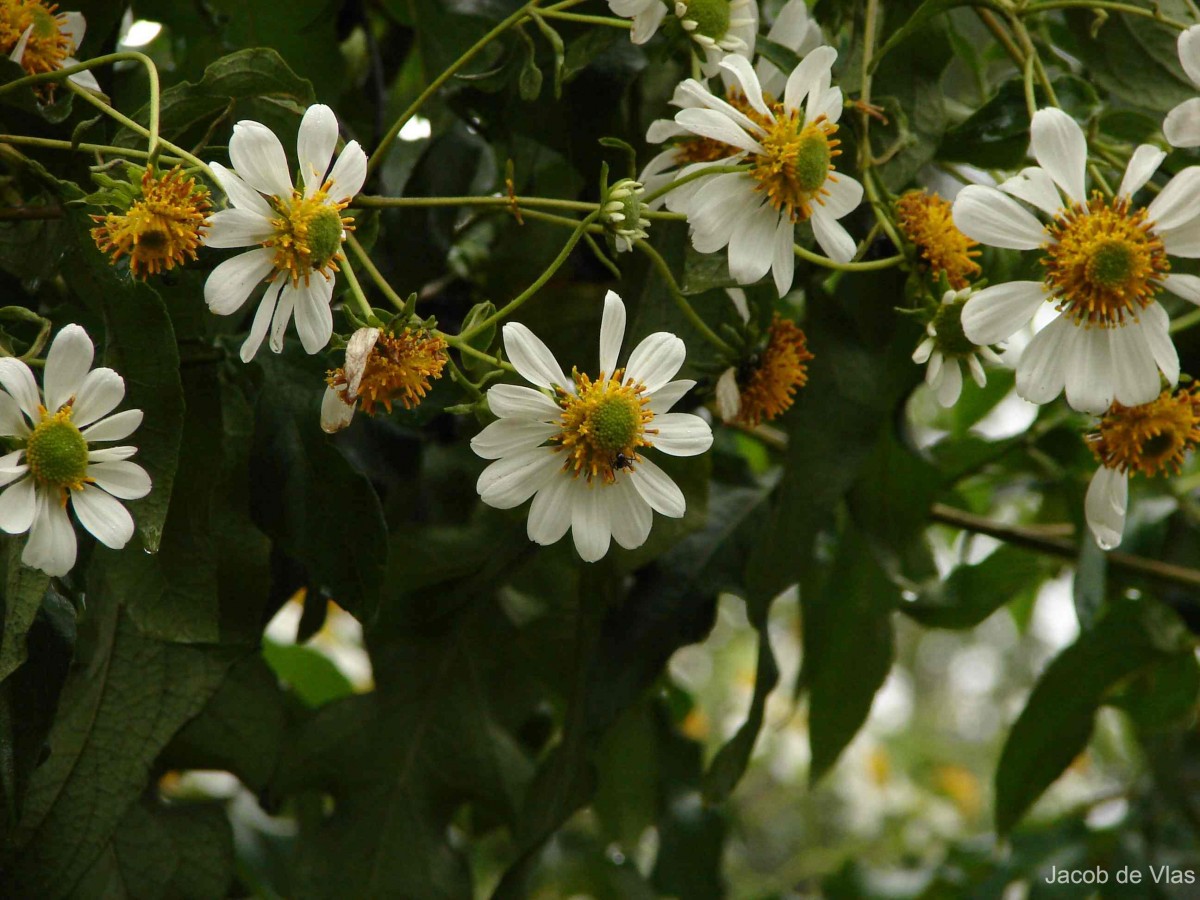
x,y
337,674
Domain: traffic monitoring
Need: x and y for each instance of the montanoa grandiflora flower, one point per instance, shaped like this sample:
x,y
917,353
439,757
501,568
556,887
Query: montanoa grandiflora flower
x,y
945,348
40,39
56,463
297,231
577,445
1104,262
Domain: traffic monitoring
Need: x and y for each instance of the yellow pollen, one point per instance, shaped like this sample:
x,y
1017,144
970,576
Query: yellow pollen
x,y
603,424
47,46
768,387
797,162
1104,263
159,231
57,453
1149,438
926,221
308,234
398,369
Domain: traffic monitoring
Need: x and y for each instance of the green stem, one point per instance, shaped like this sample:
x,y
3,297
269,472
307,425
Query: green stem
x,y
356,292
1154,13
587,20
701,173
462,380
463,347
381,151
558,220
514,304
380,282
51,144
864,148
681,301
368,201
1184,322
873,265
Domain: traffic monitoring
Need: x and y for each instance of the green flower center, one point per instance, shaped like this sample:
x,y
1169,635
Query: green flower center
x,y
324,235
711,17
812,161
947,322
57,452
614,422
1111,264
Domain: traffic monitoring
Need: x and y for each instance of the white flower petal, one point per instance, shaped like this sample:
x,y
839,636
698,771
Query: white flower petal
x,y
349,173
240,194
508,437
1089,381
1175,204
646,23
807,76
739,67
10,469
629,515
712,124
516,401
258,158
612,332
924,349
84,79
315,144
232,281
1035,187
1182,124
1183,240
1188,45
262,321
591,526
668,395
314,318
830,105
949,386
1104,506
12,423
996,313
1059,146
112,454
728,395
692,94
832,237
18,380
657,489
845,195
1185,286
237,228
783,264
283,315
72,26
1135,373
1041,371
358,351
752,248
976,367
550,511
655,360
681,434
532,358
102,390
1155,327
17,54
1142,165
991,217
709,208
103,515
17,506
125,480
114,428
336,413
51,546
511,481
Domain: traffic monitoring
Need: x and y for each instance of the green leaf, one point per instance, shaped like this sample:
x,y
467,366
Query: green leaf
x,y
973,592
927,11
1090,582
24,589
122,702
1056,723
308,672
847,649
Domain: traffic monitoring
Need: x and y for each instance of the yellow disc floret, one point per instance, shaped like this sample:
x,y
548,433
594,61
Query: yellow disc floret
x,y
162,229
399,369
47,45
1149,438
603,424
1104,263
57,452
926,221
308,234
768,385
797,161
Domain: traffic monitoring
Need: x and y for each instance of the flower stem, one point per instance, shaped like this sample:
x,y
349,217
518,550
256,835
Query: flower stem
x,y
1154,13
384,145
380,282
463,347
1184,322
864,147
356,292
515,303
679,182
587,20
681,301
21,140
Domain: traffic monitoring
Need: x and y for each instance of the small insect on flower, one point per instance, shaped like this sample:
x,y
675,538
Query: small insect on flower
x,y
40,39
381,369
161,229
1150,438
576,444
926,221
57,463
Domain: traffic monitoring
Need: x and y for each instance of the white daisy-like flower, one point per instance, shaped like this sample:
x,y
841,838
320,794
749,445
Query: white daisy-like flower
x,y
1150,438
794,29
338,403
47,41
945,348
1105,262
647,15
297,232
575,444
1182,124
57,463
790,148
